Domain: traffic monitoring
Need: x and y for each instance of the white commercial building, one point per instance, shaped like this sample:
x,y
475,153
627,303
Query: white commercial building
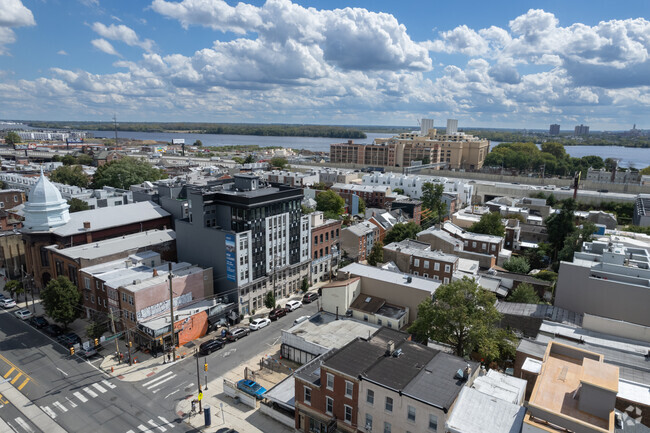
x,y
412,184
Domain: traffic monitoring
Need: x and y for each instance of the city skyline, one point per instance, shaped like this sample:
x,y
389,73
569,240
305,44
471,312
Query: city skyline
x,y
502,66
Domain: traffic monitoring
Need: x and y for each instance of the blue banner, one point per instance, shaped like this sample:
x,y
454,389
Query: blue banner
x,y
231,259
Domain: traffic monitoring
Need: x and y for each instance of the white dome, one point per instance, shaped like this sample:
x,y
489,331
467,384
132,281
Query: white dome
x,y
45,208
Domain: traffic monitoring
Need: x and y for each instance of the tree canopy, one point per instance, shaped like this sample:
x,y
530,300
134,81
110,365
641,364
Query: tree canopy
x,y
61,300
489,224
125,172
77,205
560,225
70,175
524,293
269,300
464,316
12,138
15,288
331,203
376,254
279,162
402,231
434,209
517,264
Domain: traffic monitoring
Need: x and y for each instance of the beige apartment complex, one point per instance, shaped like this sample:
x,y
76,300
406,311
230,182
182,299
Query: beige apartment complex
x,y
459,151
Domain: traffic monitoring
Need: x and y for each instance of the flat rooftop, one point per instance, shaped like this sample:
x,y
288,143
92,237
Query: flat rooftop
x,y
476,412
397,278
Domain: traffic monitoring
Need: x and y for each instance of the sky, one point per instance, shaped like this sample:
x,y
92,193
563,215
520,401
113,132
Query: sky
x,y
501,64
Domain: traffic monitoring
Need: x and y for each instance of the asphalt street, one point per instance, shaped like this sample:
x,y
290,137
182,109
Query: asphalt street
x,y
81,398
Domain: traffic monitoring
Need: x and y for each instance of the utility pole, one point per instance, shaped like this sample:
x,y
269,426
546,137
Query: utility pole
x,y
117,347
171,310
205,368
128,345
198,380
115,126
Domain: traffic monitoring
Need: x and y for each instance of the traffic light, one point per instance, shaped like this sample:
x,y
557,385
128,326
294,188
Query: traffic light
x,y
161,341
205,366
96,341
71,350
130,344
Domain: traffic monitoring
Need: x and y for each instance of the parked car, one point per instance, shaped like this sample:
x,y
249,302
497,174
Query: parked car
x,y
276,313
38,322
53,330
565,188
259,324
23,314
309,297
237,333
69,339
251,387
293,305
7,303
300,319
210,346
88,353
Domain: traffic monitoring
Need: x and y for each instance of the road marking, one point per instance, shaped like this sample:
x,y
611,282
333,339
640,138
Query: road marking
x,y
9,425
22,385
173,392
72,403
146,384
99,388
16,378
62,371
21,422
143,428
90,392
160,383
80,396
130,431
159,427
9,372
60,406
170,425
108,384
49,411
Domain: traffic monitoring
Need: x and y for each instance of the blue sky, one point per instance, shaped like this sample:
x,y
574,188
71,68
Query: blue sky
x,y
517,64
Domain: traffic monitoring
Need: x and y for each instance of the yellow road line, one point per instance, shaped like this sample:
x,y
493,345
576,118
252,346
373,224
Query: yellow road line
x,y
9,372
20,373
3,400
23,384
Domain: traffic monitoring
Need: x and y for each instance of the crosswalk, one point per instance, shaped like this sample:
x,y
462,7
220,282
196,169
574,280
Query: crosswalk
x,y
155,426
154,385
79,398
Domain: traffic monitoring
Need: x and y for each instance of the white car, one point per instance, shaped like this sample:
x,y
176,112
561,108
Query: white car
x,y
293,305
23,314
7,303
259,324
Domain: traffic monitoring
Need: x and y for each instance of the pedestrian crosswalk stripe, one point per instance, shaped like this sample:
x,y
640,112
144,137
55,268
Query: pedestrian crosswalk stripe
x,y
22,385
90,392
80,396
60,406
72,403
170,425
99,388
130,431
108,384
160,383
11,370
143,428
49,411
21,422
153,424
153,381
20,373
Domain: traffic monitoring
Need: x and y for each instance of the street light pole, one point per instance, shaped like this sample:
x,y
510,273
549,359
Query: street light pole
x,y
198,380
171,310
205,368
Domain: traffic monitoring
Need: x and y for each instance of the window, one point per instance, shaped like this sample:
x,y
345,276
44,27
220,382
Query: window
x,y
484,246
349,386
415,273
87,283
389,404
348,414
329,405
307,398
368,422
330,381
411,414
436,266
494,247
446,280
370,397
433,422
426,264
425,275
416,262
316,240
387,427
473,244
447,268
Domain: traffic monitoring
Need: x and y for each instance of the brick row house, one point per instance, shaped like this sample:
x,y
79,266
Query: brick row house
x,y
325,248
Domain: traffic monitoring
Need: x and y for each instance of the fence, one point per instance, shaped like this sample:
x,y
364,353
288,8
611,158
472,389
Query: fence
x,y
274,365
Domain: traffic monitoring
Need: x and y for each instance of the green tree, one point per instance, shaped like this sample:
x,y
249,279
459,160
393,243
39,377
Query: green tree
x,y
319,186
69,160
269,299
432,202
238,159
125,172
489,224
198,143
70,175
304,286
362,206
77,205
645,171
15,288
398,191
464,316
279,162
525,294
84,159
95,329
376,254
517,264
560,225
61,300
12,138
555,149
249,159
331,203
402,231
306,210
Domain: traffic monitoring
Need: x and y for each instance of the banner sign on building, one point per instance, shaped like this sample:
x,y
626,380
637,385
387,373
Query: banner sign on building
x,y
231,258
178,141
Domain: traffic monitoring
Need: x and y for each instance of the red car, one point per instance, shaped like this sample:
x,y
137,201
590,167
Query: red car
x,y
276,313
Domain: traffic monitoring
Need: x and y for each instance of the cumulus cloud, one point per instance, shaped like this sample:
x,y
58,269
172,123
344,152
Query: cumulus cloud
x,y
12,14
105,46
124,34
62,53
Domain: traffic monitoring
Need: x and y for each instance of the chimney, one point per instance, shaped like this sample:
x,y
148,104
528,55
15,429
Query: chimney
x,y
155,272
86,225
390,347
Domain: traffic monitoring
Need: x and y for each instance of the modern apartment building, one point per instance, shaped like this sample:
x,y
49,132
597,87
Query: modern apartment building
x,y
458,151
641,216
253,235
581,130
325,248
554,130
412,184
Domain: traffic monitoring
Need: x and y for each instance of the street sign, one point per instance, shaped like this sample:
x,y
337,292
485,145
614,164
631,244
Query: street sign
x,y
200,396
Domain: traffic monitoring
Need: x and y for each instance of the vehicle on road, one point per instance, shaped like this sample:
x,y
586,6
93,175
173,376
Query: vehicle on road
x,y
210,346
251,387
259,324
300,319
276,313
237,333
23,314
69,339
293,305
603,190
7,303
565,188
53,330
38,322
88,353
309,297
